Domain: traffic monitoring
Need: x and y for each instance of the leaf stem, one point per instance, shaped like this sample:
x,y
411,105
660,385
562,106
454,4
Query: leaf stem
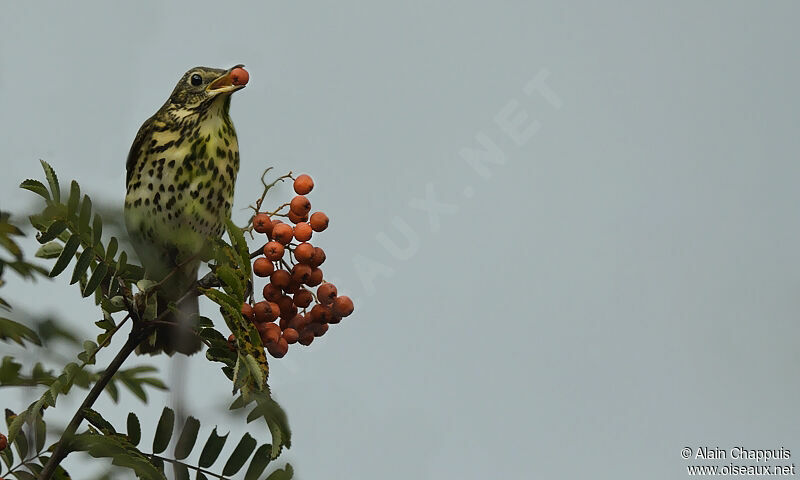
x,y
178,462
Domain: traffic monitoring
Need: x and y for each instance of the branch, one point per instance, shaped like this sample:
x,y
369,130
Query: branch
x,y
134,339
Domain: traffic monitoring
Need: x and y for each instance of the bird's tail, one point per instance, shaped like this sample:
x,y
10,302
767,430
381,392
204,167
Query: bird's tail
x,y
176,333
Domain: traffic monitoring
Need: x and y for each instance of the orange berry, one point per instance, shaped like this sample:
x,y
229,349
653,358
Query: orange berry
x,y
303,298
287,307
280,278
320,314
264,312
302,232
342,306
326,293
319,329
247,311
283,323
283,233
301,273
231,347
303,184
319,221
293,287
269,332
271,292
279,348
315,278
295,218
318,258
304,253
299,322
291,335
263,267
300,205
262,223
274,250
239,76
306,336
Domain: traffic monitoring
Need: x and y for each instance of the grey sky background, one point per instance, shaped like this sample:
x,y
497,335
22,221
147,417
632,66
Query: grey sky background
x,y
624,284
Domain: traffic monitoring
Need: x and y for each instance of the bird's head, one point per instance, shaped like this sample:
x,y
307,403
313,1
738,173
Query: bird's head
x,y
203,85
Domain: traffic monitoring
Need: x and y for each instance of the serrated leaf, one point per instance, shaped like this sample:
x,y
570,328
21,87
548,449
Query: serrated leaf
x,y
85,216
97,229
255,370
200,476
111,249
53,231
187,439
94,281
40,430
240,455
212,448
67,254
230,281
180,471
17,332
120,450
74,199
36,187
52,179
84,260
94,418
21,443
285,473
134,429
49,250
260,461
164,430
23,475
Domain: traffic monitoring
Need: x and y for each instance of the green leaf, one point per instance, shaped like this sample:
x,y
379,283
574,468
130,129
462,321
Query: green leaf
x,y
84,260
36,187
111,249
180,472
74,199
134,429
21,443
230,281
93,417
52,179
23,475
49,250
164,430
97,229
240,455
212,448
8,457
86,215
255,370
240,244
17,332
260,461
187,439
94,281
70,248
53,231
200,476
120,450
40,429
282,474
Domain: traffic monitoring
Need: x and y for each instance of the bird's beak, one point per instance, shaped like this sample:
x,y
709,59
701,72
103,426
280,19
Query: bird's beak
x,y
226,83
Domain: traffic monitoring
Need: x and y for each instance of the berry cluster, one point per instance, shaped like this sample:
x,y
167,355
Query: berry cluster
x,y
300,314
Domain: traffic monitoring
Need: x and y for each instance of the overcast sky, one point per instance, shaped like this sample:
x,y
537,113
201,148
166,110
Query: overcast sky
x,y
615,280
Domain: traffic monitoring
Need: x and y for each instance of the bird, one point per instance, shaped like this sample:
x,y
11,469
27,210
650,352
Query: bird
x,y
180,176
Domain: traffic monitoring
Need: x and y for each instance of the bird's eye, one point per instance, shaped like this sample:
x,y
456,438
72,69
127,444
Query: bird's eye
x,y
196,79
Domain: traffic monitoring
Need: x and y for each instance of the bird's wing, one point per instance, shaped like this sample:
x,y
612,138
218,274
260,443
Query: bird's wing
x,y
138,144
